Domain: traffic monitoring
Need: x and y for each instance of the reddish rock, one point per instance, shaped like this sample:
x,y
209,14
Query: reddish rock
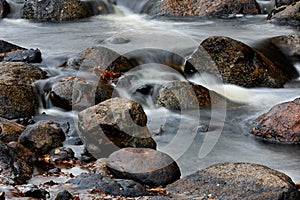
x,y
145,166
281,123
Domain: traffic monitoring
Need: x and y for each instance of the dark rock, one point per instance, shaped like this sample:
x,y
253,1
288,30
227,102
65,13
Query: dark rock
x,y
13,170
22,152
113,124
238,64
279,3
281,123
34,191
6,47
64,195
286,15
73,141
183,95
121,187
4,8
146,166
97,7
9,130
30,56
235,181
42,137
61,154
2,195
77,94
59,10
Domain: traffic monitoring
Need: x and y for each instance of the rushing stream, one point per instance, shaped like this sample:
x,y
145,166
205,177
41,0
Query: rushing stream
x,y
227,138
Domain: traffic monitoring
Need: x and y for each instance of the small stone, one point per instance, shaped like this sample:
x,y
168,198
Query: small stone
x,y
64,195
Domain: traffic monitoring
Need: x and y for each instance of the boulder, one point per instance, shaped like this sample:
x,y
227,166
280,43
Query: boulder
x,y
63,10
64,195
238,63
77,93
9,130
6,47
184,95
146,166
42,137
4,8
18,98
13,170
22,152
279,3
113,124
281,123
235,181
120,187
286,15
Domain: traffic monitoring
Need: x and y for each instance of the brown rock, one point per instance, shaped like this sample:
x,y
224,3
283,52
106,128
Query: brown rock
x,y
113,124
281,123
286,15
235,181
9,130
239,64
279,3
22,152
145,166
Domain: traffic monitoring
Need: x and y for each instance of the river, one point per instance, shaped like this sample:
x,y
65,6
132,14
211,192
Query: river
x,y
227,138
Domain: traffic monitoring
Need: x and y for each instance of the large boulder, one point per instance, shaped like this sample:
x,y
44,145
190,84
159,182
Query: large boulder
x,y
9,130
113,124
238,63
279,3
145,166
281,123
286,15
235,181
18,98
4,8
63,10
42,137
13,170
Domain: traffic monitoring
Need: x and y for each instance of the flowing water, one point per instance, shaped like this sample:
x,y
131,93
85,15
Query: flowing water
x,y
184,134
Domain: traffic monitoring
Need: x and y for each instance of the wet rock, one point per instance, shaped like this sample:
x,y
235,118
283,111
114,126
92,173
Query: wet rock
x,y
238,64
13,170
22,152
113,124
99,167
34,191
2,195
4,9
61,154
146,166
235,181
64,195
183,95
286,15
121,187
279,3
281,123
77,94
6,47
42,137
9,130
30,56
63,10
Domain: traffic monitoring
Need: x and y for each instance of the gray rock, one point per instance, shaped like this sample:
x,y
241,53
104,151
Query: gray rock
x,y
145,166
235,181
279,3
286,15
42,137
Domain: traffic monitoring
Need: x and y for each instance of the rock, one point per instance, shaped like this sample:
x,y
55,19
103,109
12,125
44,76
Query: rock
x,y
18,98
13,170
281,123
4,8
238,64
64,195
22,152
279,3
113,124
9,130
146,166
235,181
42,137
81,92
183,95
286,15
61,154
121,187
33,191
99,167
63,10
6,47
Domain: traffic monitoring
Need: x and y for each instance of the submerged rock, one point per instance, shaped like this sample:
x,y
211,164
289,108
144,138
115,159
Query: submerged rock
x,y
281,123
145,166
4,8
120,187
239,64
113,124
286,15
13,170
9,130
235,181
42,137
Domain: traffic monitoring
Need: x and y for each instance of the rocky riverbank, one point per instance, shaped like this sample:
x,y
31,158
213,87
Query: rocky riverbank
x,y
120,158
